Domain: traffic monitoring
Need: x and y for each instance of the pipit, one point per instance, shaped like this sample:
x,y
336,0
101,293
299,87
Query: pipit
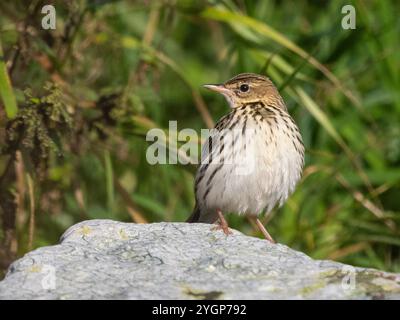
x,y
253,158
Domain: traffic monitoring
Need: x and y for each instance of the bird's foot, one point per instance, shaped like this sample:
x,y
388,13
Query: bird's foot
x,y
222,224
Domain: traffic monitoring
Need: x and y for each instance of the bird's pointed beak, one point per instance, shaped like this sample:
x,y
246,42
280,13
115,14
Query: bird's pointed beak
x,y
220,88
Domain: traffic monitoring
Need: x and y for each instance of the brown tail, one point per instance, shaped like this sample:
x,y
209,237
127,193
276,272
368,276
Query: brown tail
x,y
195,216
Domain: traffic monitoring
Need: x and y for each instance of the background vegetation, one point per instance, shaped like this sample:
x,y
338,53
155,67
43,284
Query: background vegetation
x,y
74,116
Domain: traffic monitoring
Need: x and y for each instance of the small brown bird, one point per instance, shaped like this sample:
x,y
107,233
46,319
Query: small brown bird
x,y
252,159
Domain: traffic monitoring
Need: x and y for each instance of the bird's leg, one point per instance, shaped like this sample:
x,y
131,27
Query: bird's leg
x,y
262,229
222,224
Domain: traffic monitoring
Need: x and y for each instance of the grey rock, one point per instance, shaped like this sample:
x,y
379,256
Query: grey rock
x,y
103,259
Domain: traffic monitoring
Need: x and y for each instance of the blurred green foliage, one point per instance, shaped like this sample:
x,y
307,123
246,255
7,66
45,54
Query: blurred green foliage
x,y
112,70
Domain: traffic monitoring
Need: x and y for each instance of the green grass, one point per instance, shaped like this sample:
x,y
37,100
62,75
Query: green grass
x,y
6,92
129,67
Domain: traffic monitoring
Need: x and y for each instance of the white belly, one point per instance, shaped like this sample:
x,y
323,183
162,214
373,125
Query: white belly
x,y
258,173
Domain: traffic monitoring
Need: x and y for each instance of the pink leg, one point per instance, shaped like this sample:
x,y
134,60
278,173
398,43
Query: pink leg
x,y
222,224
264,231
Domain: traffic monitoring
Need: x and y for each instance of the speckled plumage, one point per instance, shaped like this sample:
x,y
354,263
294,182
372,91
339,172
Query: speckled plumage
x,y
253,158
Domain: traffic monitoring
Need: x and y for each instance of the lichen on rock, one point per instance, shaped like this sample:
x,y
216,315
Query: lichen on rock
x,y
104,259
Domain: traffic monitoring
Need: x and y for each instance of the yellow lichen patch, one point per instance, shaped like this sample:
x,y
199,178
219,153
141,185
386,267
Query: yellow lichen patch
x,y
35,268
123,234
328,273
387,284
312,288
85,230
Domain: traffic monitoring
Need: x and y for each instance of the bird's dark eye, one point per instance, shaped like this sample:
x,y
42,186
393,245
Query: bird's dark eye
x,y
244,87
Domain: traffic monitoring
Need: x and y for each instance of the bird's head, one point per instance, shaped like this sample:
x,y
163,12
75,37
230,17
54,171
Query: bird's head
x,y
247,88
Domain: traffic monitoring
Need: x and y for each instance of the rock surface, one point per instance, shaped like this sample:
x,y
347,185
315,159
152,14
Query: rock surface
x,y
103,259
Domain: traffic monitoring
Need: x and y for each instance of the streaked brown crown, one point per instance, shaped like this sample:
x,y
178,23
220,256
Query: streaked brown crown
x,y
247,88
